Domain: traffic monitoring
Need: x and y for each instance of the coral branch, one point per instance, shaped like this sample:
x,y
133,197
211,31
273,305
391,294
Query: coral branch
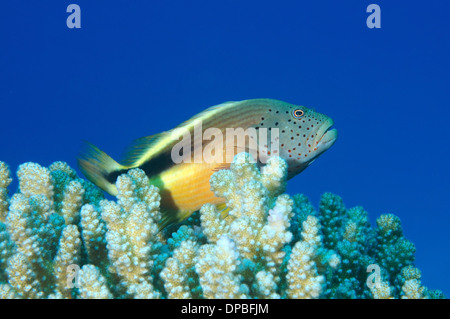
x,y
59,238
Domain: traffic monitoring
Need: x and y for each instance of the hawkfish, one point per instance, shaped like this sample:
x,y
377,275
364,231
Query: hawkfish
x,y
271,127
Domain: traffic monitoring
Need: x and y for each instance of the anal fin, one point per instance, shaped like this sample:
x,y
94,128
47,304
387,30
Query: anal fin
x,y
223,209
172,217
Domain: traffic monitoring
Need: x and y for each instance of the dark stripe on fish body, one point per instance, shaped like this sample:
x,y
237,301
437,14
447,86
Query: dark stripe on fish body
x,y
112,177
152,167
158,164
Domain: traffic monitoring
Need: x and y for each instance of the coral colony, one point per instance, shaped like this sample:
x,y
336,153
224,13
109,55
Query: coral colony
x,y
59,238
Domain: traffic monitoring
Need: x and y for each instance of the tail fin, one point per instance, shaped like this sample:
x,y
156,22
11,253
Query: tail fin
x,y
100,168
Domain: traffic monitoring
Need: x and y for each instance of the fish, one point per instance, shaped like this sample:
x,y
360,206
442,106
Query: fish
x,y
176,163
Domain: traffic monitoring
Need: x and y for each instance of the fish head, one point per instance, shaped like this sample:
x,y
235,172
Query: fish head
x,y
303,135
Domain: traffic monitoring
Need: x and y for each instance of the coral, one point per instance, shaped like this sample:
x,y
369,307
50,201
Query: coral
x,y
92,284
258,231
131,228
38,239
179,272
59,238
302,277
411,285
382,291
216,267
68,254
5,180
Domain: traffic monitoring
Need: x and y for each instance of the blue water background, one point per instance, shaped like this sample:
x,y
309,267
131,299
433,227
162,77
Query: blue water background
x,y
136,68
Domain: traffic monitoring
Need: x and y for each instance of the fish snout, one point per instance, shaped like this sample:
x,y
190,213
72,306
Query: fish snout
x,y
325,136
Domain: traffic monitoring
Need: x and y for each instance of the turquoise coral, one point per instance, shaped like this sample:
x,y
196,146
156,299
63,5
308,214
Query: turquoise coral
x,y
59,238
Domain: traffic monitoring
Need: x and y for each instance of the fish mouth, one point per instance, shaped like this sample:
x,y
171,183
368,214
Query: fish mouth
x,y
326,136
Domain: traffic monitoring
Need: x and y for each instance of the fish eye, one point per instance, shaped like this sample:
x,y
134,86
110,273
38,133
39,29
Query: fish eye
x,y
297,113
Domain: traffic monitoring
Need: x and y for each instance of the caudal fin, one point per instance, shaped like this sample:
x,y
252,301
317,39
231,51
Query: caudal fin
x,y
100,168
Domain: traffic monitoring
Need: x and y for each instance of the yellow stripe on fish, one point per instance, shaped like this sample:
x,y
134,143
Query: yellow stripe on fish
x,y
303,135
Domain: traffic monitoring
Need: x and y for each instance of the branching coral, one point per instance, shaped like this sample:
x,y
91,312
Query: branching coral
x,y
132,228
216,267
5,180
257,224
303,278
59,238
179,272
40,242
92,284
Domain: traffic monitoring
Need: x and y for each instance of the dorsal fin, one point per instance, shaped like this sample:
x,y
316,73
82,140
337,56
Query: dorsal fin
x,y
145,148
140,148
205,113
